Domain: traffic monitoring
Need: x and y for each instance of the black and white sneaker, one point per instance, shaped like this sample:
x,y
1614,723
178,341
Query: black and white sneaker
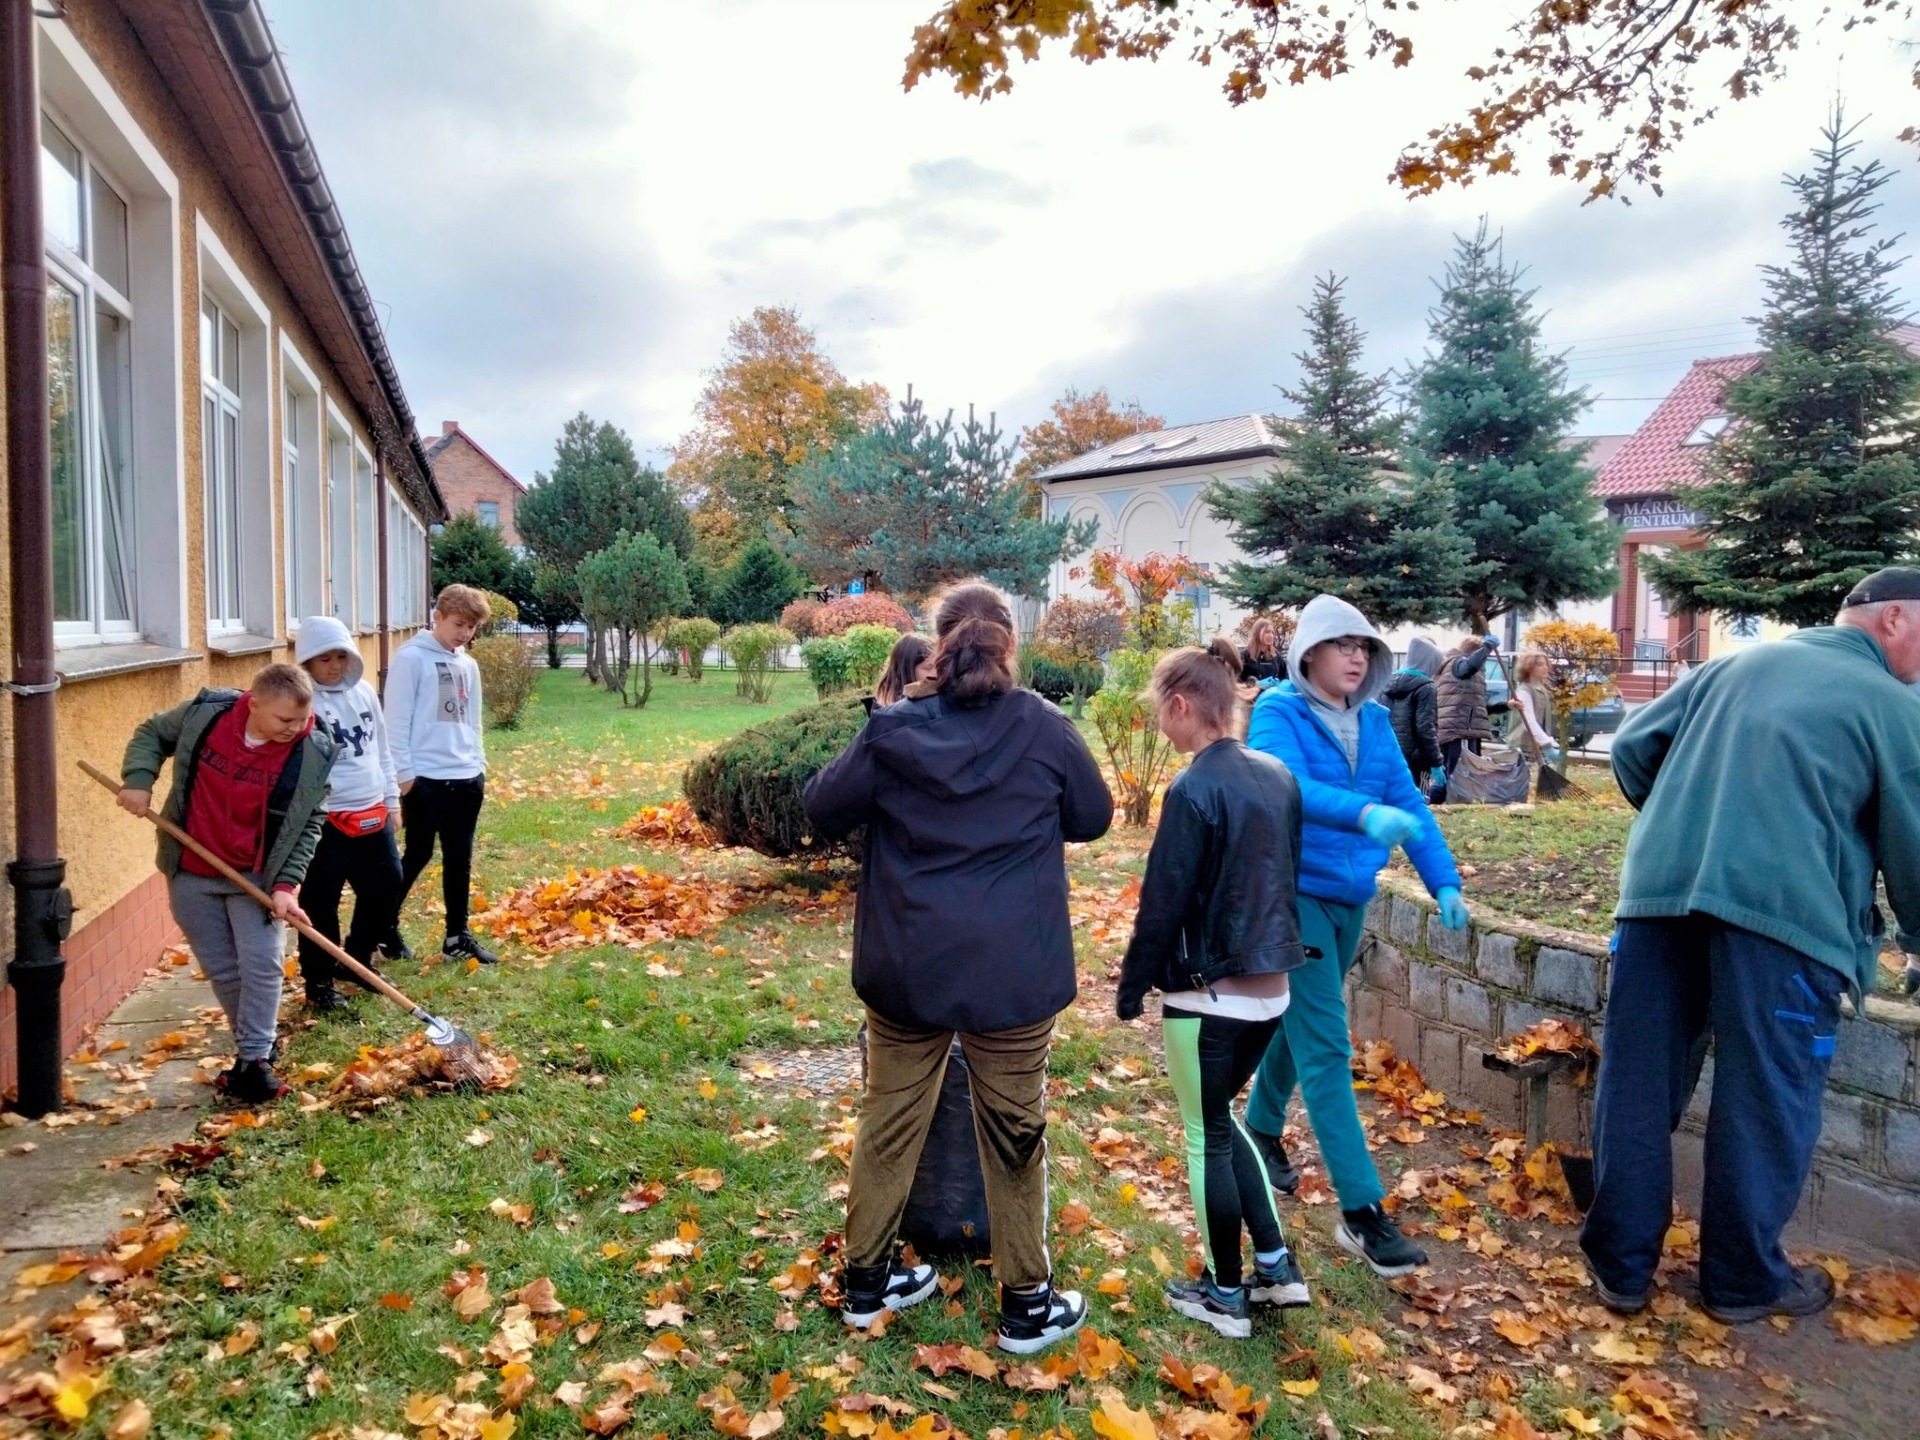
x,y
1281,1173
1202,1300
869,1291
1033,1321
1282,1286
1372,1235
464,947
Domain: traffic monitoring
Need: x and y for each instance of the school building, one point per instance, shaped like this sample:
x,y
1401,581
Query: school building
x,y
206,441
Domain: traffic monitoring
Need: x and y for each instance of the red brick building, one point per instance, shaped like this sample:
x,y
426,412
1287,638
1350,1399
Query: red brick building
x,y
471,479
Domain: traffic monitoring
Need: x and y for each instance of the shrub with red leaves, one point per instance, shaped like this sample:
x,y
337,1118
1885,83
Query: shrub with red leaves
x,y
843,614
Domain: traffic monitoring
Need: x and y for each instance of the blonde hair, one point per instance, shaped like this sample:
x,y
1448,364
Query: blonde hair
x,y
283,682
463,602
1208,680
1529,662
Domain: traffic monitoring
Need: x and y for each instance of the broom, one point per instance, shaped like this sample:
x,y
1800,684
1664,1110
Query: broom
x,y
464,1060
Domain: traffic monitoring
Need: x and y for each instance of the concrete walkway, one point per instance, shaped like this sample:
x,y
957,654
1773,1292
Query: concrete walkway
x,y
57,1192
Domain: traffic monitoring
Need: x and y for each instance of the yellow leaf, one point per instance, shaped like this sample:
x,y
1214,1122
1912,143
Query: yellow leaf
x,y
1619,1349
1116,1420
70,1401
498,1428
708,1090
1300,1387
1875,1329
637,1114
1579,1423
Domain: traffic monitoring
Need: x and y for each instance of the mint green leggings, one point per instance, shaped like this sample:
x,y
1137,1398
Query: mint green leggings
x,y
1209,1059
1312,1050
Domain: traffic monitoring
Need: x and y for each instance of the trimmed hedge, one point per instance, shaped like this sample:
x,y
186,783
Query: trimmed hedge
x,y
1055,681
748,790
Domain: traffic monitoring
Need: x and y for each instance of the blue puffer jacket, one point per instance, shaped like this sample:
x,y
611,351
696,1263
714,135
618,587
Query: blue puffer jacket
x,y
1338,862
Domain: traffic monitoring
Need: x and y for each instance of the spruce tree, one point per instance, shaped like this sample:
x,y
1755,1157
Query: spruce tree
x,y
1812,486
1334,519
1492,413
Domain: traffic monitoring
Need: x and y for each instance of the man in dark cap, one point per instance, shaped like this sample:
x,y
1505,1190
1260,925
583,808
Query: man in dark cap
x,y
1773,786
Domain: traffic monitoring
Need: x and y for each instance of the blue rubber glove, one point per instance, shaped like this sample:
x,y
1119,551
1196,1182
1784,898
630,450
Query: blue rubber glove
x,y
1387,826
1553,755
1453,910
1490,640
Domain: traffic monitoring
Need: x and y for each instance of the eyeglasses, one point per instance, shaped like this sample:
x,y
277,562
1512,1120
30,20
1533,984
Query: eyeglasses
x,y
1350,645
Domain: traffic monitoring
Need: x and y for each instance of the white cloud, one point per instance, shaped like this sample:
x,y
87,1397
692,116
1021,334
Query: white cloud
x,y
565,205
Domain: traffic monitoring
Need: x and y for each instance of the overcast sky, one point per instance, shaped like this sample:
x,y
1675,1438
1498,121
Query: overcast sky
x,y
562,204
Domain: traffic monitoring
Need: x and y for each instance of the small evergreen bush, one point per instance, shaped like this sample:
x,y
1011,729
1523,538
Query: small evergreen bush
x,y
829,664
748,790
1059,682
693,637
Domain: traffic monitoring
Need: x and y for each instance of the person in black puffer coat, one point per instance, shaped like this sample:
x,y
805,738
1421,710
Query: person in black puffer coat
x,y
969,788
1410,696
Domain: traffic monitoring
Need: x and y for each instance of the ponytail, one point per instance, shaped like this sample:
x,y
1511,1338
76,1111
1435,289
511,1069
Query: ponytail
x,y
974,646
1209,678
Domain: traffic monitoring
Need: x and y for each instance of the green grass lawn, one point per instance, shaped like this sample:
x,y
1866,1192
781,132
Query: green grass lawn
x,y
630,1075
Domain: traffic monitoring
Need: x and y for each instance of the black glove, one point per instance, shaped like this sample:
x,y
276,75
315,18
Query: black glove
x,y
1129,1007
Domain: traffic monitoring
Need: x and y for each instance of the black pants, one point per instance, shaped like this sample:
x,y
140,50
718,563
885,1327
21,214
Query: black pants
x,y
449,811
1450,752
1210,1059
370,864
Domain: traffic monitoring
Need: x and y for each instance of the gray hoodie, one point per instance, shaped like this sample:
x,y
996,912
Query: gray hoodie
x,y
1328,617
349,712
1423,655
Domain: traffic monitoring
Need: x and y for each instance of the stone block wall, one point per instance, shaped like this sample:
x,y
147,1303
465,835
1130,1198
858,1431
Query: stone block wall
x,y
1443,998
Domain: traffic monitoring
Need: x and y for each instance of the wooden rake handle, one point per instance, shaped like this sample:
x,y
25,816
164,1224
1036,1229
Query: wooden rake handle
x,y
370,978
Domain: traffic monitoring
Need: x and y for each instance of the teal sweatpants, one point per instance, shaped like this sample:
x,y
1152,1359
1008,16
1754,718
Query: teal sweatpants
x,y
1312,1050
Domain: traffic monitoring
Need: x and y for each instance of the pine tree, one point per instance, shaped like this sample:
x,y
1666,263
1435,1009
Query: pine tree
x,y
1812,487
1492,413
1334,519
918,504
758,586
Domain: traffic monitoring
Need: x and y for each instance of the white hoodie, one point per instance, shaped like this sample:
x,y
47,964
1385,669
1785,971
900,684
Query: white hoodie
x,y
434,716
363,775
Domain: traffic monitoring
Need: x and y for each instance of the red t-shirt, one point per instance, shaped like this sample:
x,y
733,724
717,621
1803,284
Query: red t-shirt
x,y
232,782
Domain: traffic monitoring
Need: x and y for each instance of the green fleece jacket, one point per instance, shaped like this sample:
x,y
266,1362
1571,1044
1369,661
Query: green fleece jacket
x,y
1772,785
176,734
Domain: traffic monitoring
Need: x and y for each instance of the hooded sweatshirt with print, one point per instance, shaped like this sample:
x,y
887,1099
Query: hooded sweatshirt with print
x,y
434,716
363,774
1339,777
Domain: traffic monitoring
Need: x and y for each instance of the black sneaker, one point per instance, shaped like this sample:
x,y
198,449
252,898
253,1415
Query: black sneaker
x,y
1030,1322
1283,1286
324,999
1620,1302
1808,1292
1372,1235
1281,1174
1206,1302
870,1291
464,947
395,947
251,1082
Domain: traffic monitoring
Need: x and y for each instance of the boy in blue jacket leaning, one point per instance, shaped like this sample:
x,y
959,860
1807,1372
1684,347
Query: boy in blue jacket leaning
x,y
1359,800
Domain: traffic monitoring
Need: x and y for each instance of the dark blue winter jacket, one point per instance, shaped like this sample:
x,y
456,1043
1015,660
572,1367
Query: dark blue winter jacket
x,y
1338,862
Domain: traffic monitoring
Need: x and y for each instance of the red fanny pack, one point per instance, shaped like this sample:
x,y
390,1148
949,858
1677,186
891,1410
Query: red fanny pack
x,y
359,822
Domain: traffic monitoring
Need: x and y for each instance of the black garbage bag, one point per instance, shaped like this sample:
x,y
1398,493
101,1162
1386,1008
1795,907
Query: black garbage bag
x,y
947,1208
1502,778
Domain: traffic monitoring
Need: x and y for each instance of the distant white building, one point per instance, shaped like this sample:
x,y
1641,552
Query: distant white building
x,y
1148,492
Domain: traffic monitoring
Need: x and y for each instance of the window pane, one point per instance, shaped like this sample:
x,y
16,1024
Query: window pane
x,y
489,513
69,479
109,232
209,341
112,424
230,488
60,186
229,355
210,489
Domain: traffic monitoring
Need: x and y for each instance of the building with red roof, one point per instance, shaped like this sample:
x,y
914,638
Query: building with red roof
x,y
471,479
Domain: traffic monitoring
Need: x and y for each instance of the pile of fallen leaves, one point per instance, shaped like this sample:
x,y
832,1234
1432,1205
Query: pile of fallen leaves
x,y
1881,1307
380,1073
1549,1037
624,905
673,825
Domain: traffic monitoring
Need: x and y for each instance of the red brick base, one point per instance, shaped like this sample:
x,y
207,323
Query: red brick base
x,y
105,959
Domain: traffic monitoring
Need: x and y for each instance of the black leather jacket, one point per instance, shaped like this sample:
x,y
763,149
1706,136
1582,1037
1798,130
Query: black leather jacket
x,y
1219,894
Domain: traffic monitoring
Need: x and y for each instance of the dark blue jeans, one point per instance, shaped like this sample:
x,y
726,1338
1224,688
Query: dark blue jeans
x,y
1773,1014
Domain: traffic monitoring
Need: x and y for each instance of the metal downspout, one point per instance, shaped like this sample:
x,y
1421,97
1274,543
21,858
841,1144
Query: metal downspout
x,y
42,909
380,511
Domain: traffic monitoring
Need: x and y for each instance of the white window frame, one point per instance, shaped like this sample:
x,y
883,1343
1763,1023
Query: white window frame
x,y
303,459
480,509
338,508
366,540
251,491
90,112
